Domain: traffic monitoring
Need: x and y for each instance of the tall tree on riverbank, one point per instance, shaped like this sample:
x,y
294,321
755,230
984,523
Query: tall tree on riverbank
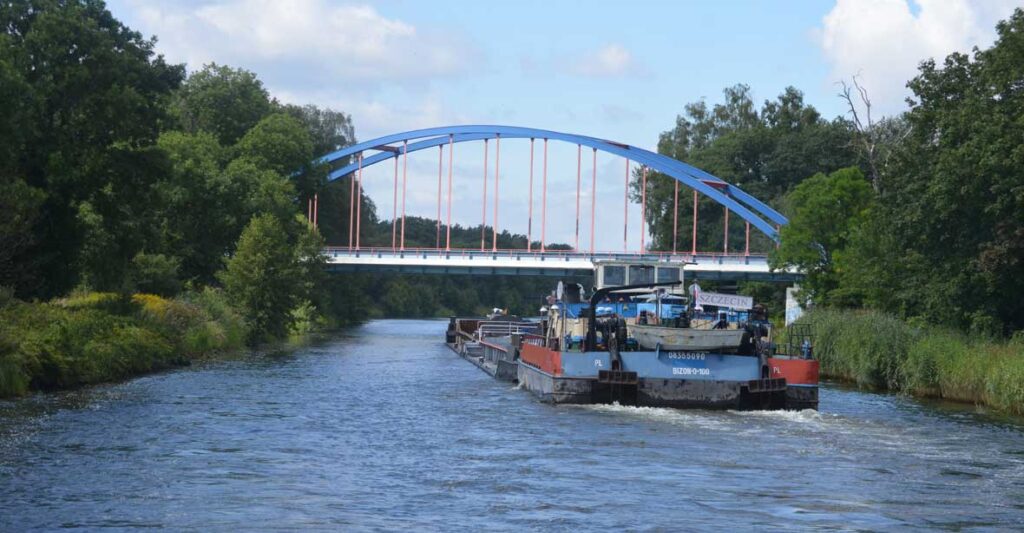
x,y
264,279
91,100
823,210
947,240
766,152
221,100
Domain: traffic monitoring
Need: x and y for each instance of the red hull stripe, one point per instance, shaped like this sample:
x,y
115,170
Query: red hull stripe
x,y
796,371
547,360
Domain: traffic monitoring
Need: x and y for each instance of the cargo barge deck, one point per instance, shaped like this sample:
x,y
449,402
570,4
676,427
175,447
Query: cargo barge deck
x,y
574,356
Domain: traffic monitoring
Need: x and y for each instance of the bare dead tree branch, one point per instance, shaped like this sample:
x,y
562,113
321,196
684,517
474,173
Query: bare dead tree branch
x,y
866,132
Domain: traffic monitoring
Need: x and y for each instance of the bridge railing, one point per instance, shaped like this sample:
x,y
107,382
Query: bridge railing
x,y
546,255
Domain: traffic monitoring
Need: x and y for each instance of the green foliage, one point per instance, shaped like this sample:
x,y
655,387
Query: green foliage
x,y
89,99
946,241
224,328
822,210
156,274
221,100
879,351
19,212
94,337
264,279
199,208
765,152
279,143
329,130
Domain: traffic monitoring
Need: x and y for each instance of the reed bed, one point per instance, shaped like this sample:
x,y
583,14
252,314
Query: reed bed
x,y
878,351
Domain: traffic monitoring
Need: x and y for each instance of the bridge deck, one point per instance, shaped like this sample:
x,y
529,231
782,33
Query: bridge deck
x,y
548,263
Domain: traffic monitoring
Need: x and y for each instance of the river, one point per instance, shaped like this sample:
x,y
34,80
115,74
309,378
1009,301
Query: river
x,y
382,427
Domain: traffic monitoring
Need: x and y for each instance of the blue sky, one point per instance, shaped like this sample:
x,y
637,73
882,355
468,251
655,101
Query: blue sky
x,y
619,70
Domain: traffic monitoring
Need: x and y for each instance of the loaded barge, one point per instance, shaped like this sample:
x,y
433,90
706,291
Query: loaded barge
x,y
641,342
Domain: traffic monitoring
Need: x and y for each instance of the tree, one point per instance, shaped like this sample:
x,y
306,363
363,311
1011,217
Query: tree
x,y
19,212
263,278
765,152
278,142
88,103
212,202
155,274
876,140
281,143
822,210
329,130
948,243
224,101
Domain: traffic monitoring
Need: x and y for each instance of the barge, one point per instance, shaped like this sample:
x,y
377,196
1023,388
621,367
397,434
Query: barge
x,y
643,344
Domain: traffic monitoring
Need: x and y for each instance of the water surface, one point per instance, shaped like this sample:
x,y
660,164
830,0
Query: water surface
x,y
384,428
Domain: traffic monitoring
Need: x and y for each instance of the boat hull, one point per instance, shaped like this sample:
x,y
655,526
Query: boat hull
x,y
652,379
801,376
665,338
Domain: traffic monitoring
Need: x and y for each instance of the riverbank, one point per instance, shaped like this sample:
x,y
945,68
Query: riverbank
x,y
92,338
878,351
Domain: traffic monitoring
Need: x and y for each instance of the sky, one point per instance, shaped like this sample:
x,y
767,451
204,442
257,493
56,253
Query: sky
x,y
616,70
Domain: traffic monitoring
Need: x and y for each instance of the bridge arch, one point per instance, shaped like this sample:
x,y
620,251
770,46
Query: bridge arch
x,y
730,196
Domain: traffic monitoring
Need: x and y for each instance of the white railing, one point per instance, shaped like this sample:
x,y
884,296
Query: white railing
x,y
550,255
504,328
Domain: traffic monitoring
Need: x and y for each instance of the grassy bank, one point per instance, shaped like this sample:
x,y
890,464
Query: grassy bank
x,y
98,337
881,352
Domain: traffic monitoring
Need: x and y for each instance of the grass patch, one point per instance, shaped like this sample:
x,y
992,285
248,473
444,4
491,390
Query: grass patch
x,y
878,351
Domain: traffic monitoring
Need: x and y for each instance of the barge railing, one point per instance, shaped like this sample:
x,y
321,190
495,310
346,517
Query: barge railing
x,y
504,328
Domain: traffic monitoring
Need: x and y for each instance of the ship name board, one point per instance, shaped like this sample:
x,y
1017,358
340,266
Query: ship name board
x,y
732,301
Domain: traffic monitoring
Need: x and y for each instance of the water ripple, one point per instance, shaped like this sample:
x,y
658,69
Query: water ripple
x,y
384,428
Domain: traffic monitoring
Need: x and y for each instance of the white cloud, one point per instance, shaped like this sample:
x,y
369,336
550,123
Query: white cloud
x,y
610,61
324,42
883,41
375,117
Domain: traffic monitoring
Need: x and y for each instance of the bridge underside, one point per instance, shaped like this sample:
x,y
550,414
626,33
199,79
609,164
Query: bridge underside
x,y
554,264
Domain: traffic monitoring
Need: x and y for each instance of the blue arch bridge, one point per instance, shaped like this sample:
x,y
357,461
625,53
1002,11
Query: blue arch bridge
x,y
539,259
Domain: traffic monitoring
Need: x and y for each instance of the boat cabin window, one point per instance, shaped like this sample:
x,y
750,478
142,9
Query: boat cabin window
x,y
614,275
641,274
668,274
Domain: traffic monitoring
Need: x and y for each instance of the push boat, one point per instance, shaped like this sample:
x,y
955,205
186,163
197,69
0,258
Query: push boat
x,y
644,344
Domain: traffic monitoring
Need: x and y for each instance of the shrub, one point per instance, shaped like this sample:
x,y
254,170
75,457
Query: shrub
x,y
155,273
90,338
880,351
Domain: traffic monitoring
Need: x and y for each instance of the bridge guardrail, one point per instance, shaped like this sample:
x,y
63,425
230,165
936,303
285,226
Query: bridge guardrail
x,y
552,255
